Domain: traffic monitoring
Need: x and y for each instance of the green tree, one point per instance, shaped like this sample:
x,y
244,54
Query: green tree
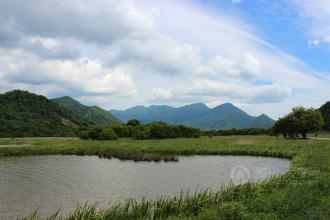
x,y
121,130
133,123
108,134
307,120
95,133
299,121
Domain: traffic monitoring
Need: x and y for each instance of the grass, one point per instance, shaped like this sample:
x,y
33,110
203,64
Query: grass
x,y
322,134
302,193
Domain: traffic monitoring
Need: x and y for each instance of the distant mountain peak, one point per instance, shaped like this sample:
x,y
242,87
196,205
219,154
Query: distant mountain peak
x,y
226,105
224,116
198,105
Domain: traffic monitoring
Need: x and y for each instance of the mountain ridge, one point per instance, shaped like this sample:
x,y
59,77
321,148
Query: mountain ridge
x,y
199,115
24,114
93,114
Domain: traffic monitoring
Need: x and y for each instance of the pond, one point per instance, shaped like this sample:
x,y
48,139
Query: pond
x,y
48,183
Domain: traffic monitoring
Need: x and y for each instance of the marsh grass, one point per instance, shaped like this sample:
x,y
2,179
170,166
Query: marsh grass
x,y
301,193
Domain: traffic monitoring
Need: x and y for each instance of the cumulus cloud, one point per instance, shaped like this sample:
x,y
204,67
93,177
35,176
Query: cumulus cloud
x,y
48,48
100,23
169,57
78,76
153,51
210,90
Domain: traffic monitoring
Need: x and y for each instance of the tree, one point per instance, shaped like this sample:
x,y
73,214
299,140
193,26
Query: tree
x,y
83,135
299,121
121,130
95,133
325,111
133,123
108,134
160,130
307,120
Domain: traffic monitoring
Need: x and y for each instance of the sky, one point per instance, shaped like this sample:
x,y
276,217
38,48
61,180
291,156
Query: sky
x,y
263,56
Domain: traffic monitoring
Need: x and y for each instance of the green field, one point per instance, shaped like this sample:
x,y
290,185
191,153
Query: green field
x,y
321,134
302,193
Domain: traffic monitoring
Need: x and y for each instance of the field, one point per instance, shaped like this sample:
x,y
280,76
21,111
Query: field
x,y
322,134
302,193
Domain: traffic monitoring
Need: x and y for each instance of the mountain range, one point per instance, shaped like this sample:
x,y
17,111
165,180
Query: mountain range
x,y
24,114
198,115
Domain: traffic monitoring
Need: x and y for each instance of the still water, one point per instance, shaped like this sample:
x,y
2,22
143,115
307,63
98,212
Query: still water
x,y
49,183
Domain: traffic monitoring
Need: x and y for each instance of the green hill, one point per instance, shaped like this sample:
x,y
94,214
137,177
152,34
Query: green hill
x,y
24,114
94,114
325,110
198,115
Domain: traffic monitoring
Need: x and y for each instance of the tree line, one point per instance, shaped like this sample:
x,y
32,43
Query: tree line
x,y
136,130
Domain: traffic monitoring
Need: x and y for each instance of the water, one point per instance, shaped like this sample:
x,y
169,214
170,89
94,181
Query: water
x,y
48,183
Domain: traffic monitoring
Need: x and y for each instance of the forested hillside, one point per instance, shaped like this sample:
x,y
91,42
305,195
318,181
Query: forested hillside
x,y
23,114
91,113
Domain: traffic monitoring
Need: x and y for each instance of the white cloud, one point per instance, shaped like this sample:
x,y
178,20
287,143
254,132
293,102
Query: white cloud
x,y
78,76
314,43
316,15
236,1
210,90
160,51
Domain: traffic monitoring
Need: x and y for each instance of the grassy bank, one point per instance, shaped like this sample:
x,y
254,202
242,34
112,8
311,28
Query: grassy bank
x,y
302,193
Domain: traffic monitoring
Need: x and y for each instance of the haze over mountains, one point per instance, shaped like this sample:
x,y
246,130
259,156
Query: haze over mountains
x,y
225,116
